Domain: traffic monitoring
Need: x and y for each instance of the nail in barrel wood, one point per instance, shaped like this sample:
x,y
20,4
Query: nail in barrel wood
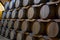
x,y
14,14
27,2
8,15
33,12
18,3
48,11
12,4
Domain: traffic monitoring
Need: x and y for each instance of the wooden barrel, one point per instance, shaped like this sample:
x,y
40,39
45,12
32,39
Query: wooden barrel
x,y
39,28
14,14
8,15
53,29
5,23
12,4
48,11
13,35
10,24
17,25
2,21
27,2
26,26
7,33
33,12
6,6
19,36
3,31
58,10
22,14
4,15
18,3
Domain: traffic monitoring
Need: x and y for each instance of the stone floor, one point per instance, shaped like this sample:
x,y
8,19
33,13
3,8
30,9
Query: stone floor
x,y
2,38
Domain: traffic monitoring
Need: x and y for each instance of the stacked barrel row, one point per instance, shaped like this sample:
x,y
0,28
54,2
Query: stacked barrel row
x,y
30,29
22,20
49,10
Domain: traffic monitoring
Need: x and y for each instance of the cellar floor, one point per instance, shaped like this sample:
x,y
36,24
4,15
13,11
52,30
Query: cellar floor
x,y
2,38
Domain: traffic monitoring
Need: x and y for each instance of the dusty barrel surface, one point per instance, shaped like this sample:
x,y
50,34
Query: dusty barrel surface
x,y
6,6
48,11
33,12
14,14
27,2
8,15
53,29
11,24
12,4
22,14
4,15
18,3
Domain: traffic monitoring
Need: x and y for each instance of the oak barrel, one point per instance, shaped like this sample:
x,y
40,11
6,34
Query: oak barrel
x,y
17,25
4,15
6,6
8,15
14,14
12,4
11,24
22,14
33,12
18,3
48,11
